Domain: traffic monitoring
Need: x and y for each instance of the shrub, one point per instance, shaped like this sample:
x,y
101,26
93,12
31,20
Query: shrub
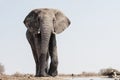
x,y
87,74
1,69
109,72
18,74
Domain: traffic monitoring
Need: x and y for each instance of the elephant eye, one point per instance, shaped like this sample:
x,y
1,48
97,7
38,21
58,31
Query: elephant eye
x,y
54,20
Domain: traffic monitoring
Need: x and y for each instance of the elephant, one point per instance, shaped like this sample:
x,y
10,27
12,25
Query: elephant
x,y
42,26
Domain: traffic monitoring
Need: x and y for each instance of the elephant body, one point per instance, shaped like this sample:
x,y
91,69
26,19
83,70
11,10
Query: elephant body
x,y
42,26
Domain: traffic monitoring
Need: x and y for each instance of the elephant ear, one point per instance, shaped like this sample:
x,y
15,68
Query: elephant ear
x,y
61,22
31,21
30,18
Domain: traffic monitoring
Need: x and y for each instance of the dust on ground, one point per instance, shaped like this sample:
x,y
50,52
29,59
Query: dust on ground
x,y
29,77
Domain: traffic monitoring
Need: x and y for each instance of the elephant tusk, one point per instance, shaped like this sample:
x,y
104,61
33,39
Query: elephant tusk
x,y
39,31
54,32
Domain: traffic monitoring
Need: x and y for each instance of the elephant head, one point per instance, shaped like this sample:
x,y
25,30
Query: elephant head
x,y
45,23
35,18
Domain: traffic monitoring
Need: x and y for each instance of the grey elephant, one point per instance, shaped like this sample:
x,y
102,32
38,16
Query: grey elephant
x,y
42,25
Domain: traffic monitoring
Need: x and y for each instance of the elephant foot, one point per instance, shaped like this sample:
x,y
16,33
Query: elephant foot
x,y
43,75
55,73
36,75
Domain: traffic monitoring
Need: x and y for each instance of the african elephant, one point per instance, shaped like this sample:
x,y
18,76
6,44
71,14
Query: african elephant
x,y
42,25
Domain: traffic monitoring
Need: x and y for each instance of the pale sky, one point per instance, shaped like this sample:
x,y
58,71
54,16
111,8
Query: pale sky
x,y
90,43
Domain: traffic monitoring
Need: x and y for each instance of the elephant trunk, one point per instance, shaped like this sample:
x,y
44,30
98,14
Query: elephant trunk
x,y
45,38
44,46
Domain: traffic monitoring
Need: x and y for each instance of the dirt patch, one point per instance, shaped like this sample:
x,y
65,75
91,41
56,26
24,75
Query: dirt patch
x,y
9,77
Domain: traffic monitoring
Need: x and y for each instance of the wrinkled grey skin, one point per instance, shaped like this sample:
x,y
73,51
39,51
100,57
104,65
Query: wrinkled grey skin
x,y
42,25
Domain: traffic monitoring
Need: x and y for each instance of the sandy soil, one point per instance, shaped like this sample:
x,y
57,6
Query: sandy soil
x,y
8,77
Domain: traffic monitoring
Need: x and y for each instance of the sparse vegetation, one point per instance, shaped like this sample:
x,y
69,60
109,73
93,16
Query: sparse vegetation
x,y
87,74
110,72
1,69
83,74
20,76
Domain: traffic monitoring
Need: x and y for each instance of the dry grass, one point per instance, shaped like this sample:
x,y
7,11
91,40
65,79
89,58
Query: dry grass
x,y
19,76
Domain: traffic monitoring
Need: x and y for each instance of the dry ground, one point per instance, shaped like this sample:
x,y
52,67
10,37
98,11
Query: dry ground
x,y
28,77
20,76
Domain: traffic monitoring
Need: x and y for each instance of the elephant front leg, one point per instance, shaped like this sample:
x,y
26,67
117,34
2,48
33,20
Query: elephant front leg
x,y
43,66
37,40
47,58
31,40
37,63
53,54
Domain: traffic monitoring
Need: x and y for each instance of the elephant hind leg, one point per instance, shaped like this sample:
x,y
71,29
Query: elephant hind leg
x,y
53,55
